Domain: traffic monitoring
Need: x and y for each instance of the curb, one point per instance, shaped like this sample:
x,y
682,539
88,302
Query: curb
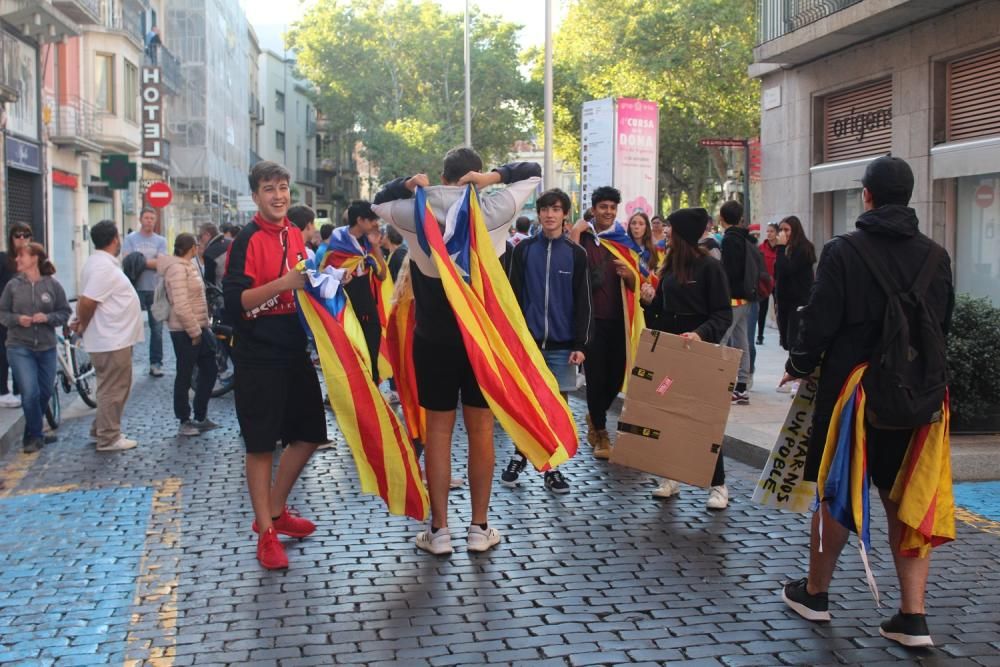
x,y
10,439
744,452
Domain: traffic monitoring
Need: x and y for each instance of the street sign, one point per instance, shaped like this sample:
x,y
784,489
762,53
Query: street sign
x,y
159,194
985,196
729,141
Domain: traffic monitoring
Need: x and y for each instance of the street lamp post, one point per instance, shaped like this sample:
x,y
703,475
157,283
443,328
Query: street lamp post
x,y
468,81
548,171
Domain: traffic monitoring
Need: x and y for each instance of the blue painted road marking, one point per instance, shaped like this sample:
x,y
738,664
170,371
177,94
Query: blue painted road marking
x,y
68,565
982,498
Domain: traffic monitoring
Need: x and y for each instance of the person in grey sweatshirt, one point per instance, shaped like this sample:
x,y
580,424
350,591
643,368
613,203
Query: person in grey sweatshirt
x,y
32,305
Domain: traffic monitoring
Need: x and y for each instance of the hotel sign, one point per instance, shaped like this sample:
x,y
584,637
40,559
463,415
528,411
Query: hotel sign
x,y
152,113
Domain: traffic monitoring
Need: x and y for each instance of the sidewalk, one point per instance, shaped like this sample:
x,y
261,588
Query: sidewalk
x,y
753,429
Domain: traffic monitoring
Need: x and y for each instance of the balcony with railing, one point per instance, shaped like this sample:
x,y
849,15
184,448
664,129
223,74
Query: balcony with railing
x,y
76,124
124,16
10,84
170,69
307,175
792,32
84,12
256,109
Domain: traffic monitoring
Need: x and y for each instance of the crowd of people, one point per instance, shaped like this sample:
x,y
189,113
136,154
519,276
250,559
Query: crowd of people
x,y
701,277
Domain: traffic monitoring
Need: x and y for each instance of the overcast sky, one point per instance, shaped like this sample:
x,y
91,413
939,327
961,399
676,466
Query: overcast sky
x,y
529,13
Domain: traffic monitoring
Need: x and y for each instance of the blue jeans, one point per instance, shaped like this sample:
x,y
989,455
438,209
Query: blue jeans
x,y
155,329
752,317
35,373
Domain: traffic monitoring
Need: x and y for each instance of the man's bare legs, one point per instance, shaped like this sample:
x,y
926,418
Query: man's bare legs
x,y
912,572
269,500
479,425
437,463
823,563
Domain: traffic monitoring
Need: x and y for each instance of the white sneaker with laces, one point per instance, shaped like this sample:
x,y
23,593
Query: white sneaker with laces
x,y
667,488
119,445
784,388
10,401
482,540
438,543
718,498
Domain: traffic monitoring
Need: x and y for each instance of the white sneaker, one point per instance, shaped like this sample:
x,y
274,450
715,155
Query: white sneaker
x,y
482,540
718,498
120,445
438,543
10,401
784,388
667,488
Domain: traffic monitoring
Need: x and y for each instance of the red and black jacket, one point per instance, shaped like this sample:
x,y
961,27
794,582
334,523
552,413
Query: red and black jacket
x,y
270,334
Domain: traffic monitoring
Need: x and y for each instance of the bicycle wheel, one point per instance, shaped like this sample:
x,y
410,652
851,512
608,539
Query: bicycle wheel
x,y
224,381
86,379
53,410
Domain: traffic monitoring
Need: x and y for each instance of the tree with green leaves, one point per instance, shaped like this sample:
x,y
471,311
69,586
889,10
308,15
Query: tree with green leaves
x,y
392,71
690,56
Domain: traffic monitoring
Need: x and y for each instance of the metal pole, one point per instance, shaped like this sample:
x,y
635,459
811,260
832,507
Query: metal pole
x,y
549,171
468,81
746,181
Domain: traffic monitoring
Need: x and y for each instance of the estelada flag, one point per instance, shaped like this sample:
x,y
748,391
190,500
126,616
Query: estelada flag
x,y
922,488
384,457
399,338
519,387
623,247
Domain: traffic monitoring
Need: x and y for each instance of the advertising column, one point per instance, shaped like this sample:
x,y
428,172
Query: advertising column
x,y
636,148
597,150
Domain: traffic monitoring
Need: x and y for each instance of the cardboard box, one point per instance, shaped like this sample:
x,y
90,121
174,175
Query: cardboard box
x,y
676,407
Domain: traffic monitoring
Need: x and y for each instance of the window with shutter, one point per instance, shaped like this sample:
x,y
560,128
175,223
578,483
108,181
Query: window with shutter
x,y
974,96
858,122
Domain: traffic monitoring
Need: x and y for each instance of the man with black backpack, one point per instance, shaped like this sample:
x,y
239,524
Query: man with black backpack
x,y
883,295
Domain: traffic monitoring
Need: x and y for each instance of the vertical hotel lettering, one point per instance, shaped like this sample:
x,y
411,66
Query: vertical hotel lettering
x,y
152,113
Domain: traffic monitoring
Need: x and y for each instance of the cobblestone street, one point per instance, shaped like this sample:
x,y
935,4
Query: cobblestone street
x,y
148,555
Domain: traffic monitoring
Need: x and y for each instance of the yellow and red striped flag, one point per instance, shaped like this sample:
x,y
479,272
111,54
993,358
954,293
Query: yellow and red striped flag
x,y
520,389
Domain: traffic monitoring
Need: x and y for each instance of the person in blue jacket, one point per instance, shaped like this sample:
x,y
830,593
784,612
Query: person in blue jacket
x,y
550,278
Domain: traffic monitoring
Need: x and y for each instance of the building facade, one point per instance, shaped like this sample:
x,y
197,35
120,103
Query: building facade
x,y
289,134
845,81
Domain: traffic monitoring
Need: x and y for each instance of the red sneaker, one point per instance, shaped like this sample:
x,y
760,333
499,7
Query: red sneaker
x,y
270,553
291,524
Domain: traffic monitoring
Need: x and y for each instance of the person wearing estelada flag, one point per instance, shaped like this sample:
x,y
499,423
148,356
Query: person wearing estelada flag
x,y
470,341
350,249
615,280
840,329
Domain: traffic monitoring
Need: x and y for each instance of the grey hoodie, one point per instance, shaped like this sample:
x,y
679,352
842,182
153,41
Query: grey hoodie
x,y
22,297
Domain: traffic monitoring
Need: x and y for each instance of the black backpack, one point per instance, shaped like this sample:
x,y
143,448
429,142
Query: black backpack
x,y
757,282
907,374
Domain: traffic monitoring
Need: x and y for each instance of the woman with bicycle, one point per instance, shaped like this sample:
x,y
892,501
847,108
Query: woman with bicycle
x,y
32,305
193,340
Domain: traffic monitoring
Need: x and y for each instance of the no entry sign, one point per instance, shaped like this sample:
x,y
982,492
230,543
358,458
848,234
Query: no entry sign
x,y
984,196
159,194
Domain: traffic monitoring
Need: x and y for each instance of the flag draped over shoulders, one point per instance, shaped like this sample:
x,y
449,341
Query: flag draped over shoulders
x,y
923,487
385,460
624,248
399,338
510,370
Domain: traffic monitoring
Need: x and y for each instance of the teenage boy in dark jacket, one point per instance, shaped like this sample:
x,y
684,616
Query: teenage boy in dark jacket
x,y
551,280
840,327
735,238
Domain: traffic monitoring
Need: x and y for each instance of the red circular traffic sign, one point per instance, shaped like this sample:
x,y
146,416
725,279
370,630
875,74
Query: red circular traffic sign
x,y
159,194
985,196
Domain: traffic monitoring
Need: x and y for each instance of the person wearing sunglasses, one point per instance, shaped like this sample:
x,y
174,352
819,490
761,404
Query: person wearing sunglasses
x,y
18,236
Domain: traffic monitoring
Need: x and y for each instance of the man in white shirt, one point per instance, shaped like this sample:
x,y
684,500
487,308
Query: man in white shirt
x,y
109,318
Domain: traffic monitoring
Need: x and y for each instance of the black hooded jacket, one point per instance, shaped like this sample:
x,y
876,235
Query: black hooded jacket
x,y
842,322
734,258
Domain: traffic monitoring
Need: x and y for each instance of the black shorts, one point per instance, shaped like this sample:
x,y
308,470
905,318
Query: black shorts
x,y
886,450
443,373
279,405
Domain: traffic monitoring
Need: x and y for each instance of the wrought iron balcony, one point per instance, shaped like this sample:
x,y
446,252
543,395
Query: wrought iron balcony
x,y
307,175
124,16
76,124
170,69
85,12
780,17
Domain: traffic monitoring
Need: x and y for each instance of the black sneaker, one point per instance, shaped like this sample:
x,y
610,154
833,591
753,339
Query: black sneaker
x,y
555,482
510,474
907,629
741,398
809,607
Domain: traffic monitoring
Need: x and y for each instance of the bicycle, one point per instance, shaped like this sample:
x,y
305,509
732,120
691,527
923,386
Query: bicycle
x,y
75,371
223,335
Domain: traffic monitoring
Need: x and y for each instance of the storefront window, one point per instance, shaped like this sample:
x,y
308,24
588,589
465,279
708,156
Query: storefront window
x,y
977,238
847,208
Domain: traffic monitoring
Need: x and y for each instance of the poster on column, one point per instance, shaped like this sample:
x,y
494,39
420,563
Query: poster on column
x,y
597,147
636,156
781,484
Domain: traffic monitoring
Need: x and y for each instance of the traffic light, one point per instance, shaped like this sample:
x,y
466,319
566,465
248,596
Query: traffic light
x,y
118,172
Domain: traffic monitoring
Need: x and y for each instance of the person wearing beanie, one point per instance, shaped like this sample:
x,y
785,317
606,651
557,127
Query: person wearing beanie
x,y
692,301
